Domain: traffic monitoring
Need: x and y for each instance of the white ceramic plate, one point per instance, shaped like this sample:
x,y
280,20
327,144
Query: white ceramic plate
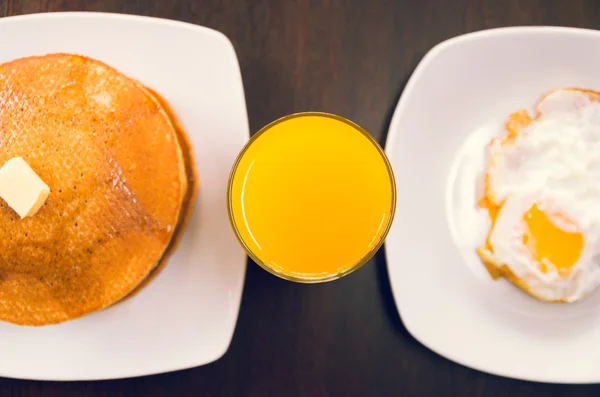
x,y
457,99
186,316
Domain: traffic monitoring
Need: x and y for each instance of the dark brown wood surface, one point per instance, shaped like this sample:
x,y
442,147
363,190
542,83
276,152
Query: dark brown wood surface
x,y
351,58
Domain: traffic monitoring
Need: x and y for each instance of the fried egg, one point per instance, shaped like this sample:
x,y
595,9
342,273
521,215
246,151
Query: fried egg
x,y
542,192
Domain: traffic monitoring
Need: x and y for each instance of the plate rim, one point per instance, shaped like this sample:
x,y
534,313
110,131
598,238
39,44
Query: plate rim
x,y
113,15
393,136
133,372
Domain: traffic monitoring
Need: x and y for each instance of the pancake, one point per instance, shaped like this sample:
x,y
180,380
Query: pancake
x,y
189,199
117,175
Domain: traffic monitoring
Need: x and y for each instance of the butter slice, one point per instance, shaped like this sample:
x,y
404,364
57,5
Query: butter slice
x,y
22,189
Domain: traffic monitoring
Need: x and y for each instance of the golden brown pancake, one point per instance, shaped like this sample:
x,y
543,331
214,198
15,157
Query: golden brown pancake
x,y
111,157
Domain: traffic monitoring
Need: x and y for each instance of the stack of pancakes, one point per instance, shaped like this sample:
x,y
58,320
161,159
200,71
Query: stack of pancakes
x,y
121,183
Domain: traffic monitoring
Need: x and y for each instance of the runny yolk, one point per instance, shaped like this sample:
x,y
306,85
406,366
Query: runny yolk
x,y
547,242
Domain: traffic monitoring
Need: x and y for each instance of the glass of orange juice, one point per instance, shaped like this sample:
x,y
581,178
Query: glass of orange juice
x,y
311,197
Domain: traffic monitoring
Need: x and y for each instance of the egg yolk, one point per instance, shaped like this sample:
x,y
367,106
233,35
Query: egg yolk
x,y
547,242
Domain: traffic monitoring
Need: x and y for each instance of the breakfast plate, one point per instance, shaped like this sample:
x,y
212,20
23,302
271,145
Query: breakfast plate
x,y
186,315
457,100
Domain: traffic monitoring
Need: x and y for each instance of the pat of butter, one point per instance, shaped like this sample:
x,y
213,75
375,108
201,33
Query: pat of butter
x,y
22,189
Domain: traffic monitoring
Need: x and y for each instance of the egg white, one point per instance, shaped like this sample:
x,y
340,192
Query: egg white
x,y
554,161
509,250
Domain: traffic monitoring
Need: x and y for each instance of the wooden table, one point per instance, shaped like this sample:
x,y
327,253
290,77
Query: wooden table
x,y
351,58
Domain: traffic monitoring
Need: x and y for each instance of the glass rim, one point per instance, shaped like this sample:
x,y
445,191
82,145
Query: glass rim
x,y
329,277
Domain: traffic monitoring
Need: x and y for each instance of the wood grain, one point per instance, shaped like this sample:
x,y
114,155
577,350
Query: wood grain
x,y
352,58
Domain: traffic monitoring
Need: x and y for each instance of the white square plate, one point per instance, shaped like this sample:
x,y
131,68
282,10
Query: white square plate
x,y
457,99
186,316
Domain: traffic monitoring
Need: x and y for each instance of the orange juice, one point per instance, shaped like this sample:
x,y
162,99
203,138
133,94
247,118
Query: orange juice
x,y
311,197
